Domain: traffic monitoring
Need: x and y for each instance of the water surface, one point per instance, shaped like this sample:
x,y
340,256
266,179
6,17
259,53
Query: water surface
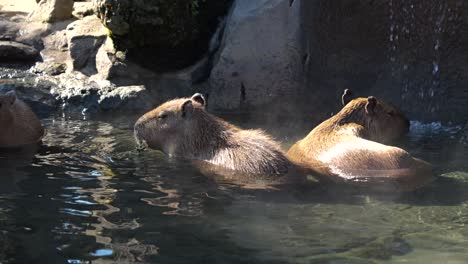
x,y
88,196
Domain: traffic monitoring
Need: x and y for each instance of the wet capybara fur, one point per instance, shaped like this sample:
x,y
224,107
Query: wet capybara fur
x,y
350,146
19,126
183,128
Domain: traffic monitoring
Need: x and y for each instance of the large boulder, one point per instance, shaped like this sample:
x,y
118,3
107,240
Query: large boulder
x,y
52,11
259,59
90,48
126,98
13,51
410,53
162,35
301,55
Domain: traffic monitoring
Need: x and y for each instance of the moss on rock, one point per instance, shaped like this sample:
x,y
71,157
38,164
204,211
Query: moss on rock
x,y
165,34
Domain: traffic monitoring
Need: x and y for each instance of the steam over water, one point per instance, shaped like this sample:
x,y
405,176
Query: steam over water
x,y
88,196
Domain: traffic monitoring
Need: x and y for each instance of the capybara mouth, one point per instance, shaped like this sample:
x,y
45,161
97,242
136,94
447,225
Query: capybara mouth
x,y
141,145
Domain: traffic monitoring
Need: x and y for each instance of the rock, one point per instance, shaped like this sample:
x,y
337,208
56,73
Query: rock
x,y
52,10
162,35
55,47
259,58
8,29
76,92
36,93
13,51
106,61
50,68
56,40
383,248
417,64
85,38
82,9
126,98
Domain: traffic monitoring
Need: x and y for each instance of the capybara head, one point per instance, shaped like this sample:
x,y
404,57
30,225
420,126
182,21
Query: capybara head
x,y
383,122
6,102
168,123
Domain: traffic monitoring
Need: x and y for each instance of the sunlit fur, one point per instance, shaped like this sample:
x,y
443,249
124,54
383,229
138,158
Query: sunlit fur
x,y
348,146
201,136
19,126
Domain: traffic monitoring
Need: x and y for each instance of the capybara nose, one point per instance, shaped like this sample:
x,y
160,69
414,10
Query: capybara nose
x,y
137,133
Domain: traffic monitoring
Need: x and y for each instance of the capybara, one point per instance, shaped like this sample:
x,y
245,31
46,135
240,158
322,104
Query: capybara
x,y
349,146
183,128
19,126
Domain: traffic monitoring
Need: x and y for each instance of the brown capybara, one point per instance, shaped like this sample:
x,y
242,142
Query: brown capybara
x,y
183,128
19,126
349,146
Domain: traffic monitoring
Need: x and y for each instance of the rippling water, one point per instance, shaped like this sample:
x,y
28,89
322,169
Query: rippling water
x,y
88,196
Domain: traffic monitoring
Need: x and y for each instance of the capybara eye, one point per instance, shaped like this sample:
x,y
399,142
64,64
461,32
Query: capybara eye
x,y
0,105
391,113
162,116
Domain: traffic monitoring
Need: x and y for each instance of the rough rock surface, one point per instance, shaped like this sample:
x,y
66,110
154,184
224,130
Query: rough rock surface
x,y
410,53
86,38
34,93
77,93
52,10
306,52
14,51
162,35
50,68
259,58
82,9
126,97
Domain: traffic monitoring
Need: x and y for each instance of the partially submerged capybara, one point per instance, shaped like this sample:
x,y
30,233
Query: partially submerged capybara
x,y
183,128
19,126
349,146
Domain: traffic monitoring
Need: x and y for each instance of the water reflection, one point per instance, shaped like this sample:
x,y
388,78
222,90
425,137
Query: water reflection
x,y
88,197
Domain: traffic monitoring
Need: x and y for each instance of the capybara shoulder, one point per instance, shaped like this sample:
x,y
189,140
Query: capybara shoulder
x,y
183,128
350,145
19,125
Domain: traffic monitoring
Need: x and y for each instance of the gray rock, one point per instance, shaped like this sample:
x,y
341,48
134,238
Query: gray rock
x,y
52,10
163,35
56,40
50,68
106,61
8,30
259,58
55,48
77,92
126,98
35,93
415,58
14,51
304,53
85,38
82,9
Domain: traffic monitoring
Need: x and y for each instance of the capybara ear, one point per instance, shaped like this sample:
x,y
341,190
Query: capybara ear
x,y
187,108
199,98
370,105
11,97
346,97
